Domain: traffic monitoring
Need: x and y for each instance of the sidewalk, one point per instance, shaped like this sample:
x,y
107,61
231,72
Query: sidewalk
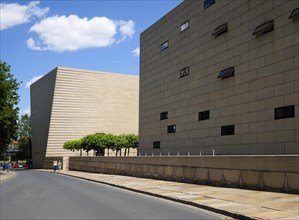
x,y
237,203
5,176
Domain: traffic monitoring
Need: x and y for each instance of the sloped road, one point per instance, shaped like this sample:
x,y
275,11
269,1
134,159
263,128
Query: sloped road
x,y
41,195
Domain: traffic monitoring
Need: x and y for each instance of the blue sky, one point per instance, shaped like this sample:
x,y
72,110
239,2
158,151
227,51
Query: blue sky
x,y
37,36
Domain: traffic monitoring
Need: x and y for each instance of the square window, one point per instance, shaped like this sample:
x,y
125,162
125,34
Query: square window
x,y
227,130
171,129
184,72
203,115
156,144
264,28
208,3
284,112
226,73
294,14
164,45
163,115
220,30
185,26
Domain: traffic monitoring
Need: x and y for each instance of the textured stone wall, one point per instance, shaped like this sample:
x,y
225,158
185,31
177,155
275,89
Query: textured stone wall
x,y
273,173
265,77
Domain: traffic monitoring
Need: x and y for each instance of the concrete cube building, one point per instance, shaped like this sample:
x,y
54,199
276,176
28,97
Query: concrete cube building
x,y
67,104
221,77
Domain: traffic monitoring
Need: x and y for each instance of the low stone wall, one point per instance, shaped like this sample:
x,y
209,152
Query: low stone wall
x,y
272,173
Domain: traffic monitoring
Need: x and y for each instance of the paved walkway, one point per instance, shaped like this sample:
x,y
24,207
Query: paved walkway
x,y
5,176
238,203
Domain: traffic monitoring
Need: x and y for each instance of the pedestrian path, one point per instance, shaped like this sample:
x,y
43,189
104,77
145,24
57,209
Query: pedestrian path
x,y
237,203
5,176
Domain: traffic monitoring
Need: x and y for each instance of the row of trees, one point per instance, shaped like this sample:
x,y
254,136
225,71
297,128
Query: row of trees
x,y
11,126
101,141
9,111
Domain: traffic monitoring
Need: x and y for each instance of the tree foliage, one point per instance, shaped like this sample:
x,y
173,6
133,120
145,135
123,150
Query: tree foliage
x,y
101,141
9,98
72,145
24,138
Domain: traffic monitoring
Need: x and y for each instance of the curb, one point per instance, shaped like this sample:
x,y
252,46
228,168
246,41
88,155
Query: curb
x,y
205,207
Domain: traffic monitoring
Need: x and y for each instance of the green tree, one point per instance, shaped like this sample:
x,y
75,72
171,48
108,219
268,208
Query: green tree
x,y
9,98
72,145
132,142
120,143
24,138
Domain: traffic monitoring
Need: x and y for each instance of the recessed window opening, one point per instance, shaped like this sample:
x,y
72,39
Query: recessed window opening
x,y
264,28
227,130
208,3
226,73
156,144
220,30
171,129
294,14
164,45
284,112
163,115
203,115
184,26
184,72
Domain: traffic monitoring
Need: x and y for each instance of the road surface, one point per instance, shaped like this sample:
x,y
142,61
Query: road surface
x,y
42,195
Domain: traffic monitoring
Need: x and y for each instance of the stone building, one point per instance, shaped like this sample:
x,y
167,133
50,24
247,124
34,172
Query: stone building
x,y
67,104
221,77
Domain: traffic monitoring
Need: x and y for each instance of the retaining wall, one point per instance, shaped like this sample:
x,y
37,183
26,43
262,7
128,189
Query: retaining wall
x,y
272,173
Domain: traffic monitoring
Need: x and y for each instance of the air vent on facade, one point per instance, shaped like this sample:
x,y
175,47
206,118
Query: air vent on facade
x,y
227,130
156,144
163,115
164,45
226,73
203,115
185,26
264,28
294,14
284,112
220,30
184,72
208,3
171,129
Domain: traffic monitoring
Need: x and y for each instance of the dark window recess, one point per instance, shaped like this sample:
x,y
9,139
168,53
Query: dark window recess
x,y
164,45
227,130
220,30
156,144
208,3
185,26
163,115
294,14
284,112
184,72
203,115
226,73
264,28
171,129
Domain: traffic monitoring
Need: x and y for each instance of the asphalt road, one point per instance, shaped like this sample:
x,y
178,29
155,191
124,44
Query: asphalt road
x,y
42,195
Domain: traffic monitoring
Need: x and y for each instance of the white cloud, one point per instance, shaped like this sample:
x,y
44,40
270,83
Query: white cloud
x,y
31,81
61,33
127,29
14,14
136,52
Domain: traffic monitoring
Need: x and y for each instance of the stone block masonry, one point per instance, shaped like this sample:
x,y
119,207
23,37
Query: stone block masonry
x,y
270,173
